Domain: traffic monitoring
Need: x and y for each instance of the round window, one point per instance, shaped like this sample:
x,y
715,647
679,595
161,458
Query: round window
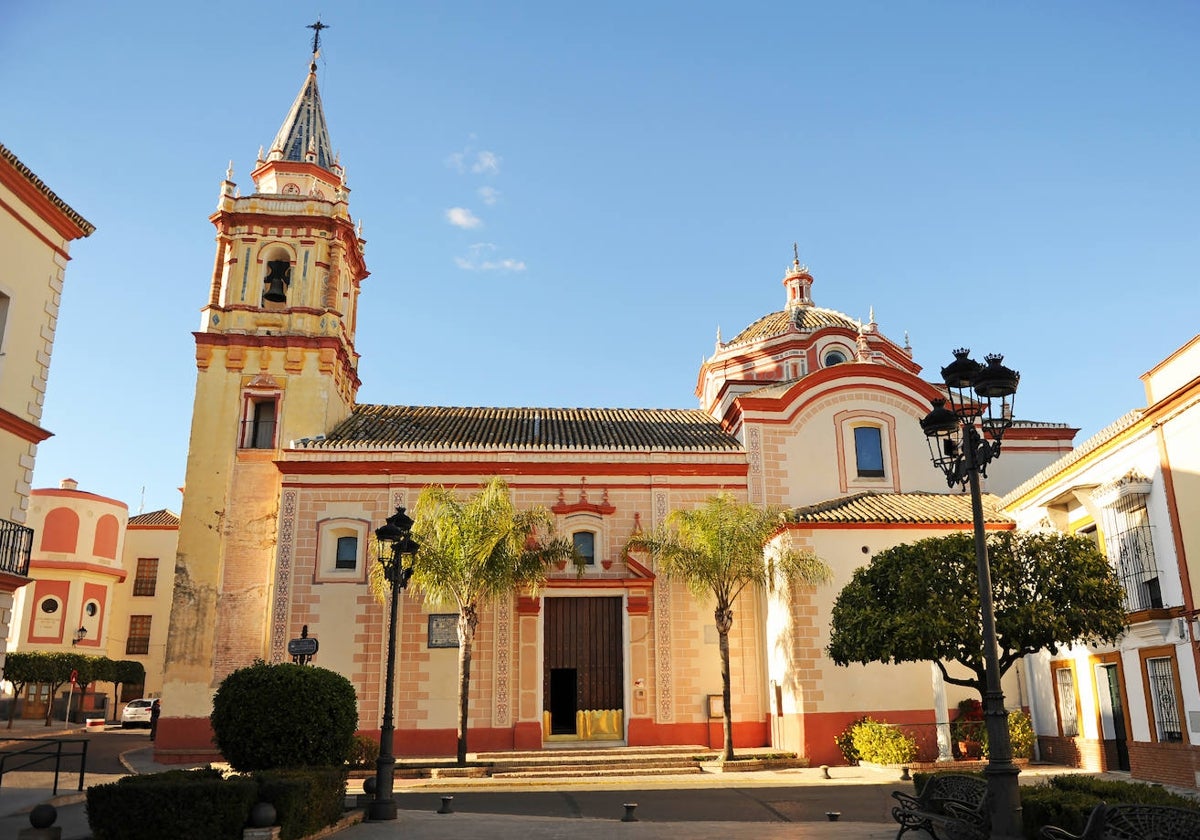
x,y
834,357
91,609
50,605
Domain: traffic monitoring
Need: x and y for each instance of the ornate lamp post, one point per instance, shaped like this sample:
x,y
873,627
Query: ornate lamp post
x,y
963,439
396,531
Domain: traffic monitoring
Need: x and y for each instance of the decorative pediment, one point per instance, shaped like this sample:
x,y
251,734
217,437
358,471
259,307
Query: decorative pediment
x,y
1133,483
583,505
264,380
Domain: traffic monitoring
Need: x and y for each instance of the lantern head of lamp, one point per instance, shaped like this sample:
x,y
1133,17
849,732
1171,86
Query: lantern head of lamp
x,y
79,636
978,394
397,531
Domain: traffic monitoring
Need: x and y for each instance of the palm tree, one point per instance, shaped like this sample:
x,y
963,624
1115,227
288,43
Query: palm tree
x,y
719,549
474,551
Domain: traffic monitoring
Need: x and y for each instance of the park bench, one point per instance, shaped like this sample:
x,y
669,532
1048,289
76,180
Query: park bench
x,y
1133,822
954,805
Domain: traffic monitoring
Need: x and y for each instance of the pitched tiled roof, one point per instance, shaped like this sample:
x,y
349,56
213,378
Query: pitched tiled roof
x,y
1095,441
900,508
155,517
438,427
806,319
83,224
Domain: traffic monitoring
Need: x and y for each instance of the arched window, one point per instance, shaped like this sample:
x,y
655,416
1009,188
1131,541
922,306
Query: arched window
x,y
105,544
61,531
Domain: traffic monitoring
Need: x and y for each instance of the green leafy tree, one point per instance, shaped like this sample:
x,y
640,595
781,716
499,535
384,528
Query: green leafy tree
x,y
125,672
473,551
20,669
920,601
719,549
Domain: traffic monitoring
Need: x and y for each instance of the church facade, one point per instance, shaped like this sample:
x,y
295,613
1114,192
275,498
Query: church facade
x,y
288,477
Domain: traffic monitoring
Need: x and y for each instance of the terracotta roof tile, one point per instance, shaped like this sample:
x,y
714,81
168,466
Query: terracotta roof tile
x,y
429,427
805,318
84,225
900,508
154,517
1094,442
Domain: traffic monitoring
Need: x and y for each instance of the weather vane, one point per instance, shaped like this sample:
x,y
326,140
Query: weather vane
x,y
316,28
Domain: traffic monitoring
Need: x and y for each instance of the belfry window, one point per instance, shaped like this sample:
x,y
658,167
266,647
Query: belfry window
x,y
258,427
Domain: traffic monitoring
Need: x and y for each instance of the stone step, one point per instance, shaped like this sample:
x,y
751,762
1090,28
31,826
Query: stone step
x,y
564,767
597,772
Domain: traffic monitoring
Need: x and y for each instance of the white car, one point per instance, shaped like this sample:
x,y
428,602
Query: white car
x,y
136,713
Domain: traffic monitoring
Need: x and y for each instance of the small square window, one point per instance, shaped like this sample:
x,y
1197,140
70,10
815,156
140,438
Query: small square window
x,y
347,553
585,546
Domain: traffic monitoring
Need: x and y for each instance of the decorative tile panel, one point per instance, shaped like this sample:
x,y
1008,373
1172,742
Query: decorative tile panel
x,y
662,625
283,576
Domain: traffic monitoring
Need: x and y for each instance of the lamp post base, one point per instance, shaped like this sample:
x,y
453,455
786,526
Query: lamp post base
x,y
381,809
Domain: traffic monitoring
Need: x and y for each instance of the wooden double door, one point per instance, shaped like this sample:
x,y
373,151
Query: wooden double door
x,y
583,668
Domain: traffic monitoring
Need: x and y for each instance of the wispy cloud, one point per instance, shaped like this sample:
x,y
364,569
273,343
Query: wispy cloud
x,y
463,218
486,163
489,195
480,259
478,162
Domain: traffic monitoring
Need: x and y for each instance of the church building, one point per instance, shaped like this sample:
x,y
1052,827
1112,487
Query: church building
x,y
288,476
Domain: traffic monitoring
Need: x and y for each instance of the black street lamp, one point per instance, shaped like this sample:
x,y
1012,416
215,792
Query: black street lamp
x,y
963,439
396,531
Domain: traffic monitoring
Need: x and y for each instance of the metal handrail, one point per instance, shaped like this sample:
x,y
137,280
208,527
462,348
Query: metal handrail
x,y
41,750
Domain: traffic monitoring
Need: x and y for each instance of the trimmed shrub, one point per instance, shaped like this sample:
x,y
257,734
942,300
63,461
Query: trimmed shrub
x,y
267,717
880,743
1111,791
180,804
363,752
1020,735
305,800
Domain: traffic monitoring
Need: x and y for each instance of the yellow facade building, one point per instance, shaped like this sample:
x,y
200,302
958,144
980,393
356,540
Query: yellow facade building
x,y
36,230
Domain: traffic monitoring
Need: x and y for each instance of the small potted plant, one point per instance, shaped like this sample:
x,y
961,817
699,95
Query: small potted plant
x,y
967,728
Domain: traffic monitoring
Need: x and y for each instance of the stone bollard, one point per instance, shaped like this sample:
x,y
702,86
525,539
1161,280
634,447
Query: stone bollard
x,y
262,823
446,809
825,771
42,827
630,807
904,775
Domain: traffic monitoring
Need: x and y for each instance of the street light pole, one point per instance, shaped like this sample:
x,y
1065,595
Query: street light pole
x,y
959,449
396,532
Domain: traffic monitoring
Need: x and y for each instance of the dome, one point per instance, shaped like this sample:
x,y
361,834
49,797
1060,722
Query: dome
x,y
805,319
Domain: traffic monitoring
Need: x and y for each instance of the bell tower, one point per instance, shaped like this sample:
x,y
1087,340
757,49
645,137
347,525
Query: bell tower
x,y
275,361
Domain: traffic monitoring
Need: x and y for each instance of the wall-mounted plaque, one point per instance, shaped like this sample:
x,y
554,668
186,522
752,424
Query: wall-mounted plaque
x,y
443,630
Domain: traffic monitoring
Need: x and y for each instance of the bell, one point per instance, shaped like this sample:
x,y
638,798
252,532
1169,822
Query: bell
x,y
276,292
277,280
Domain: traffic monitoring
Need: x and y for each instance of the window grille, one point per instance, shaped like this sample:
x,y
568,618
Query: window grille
x,y
1131,551
139,635
1162,696
1067,713
146,580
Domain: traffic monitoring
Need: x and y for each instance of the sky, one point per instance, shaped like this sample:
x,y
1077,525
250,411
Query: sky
x,y
563,202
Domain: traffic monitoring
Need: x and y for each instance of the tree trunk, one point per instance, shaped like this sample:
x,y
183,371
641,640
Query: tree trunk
x,y
724,617
468,620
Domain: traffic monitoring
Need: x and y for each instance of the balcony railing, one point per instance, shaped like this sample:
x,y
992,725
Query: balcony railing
x,y
16,542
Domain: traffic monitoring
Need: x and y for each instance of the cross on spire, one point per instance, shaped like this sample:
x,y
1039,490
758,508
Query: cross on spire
x,y
316,28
